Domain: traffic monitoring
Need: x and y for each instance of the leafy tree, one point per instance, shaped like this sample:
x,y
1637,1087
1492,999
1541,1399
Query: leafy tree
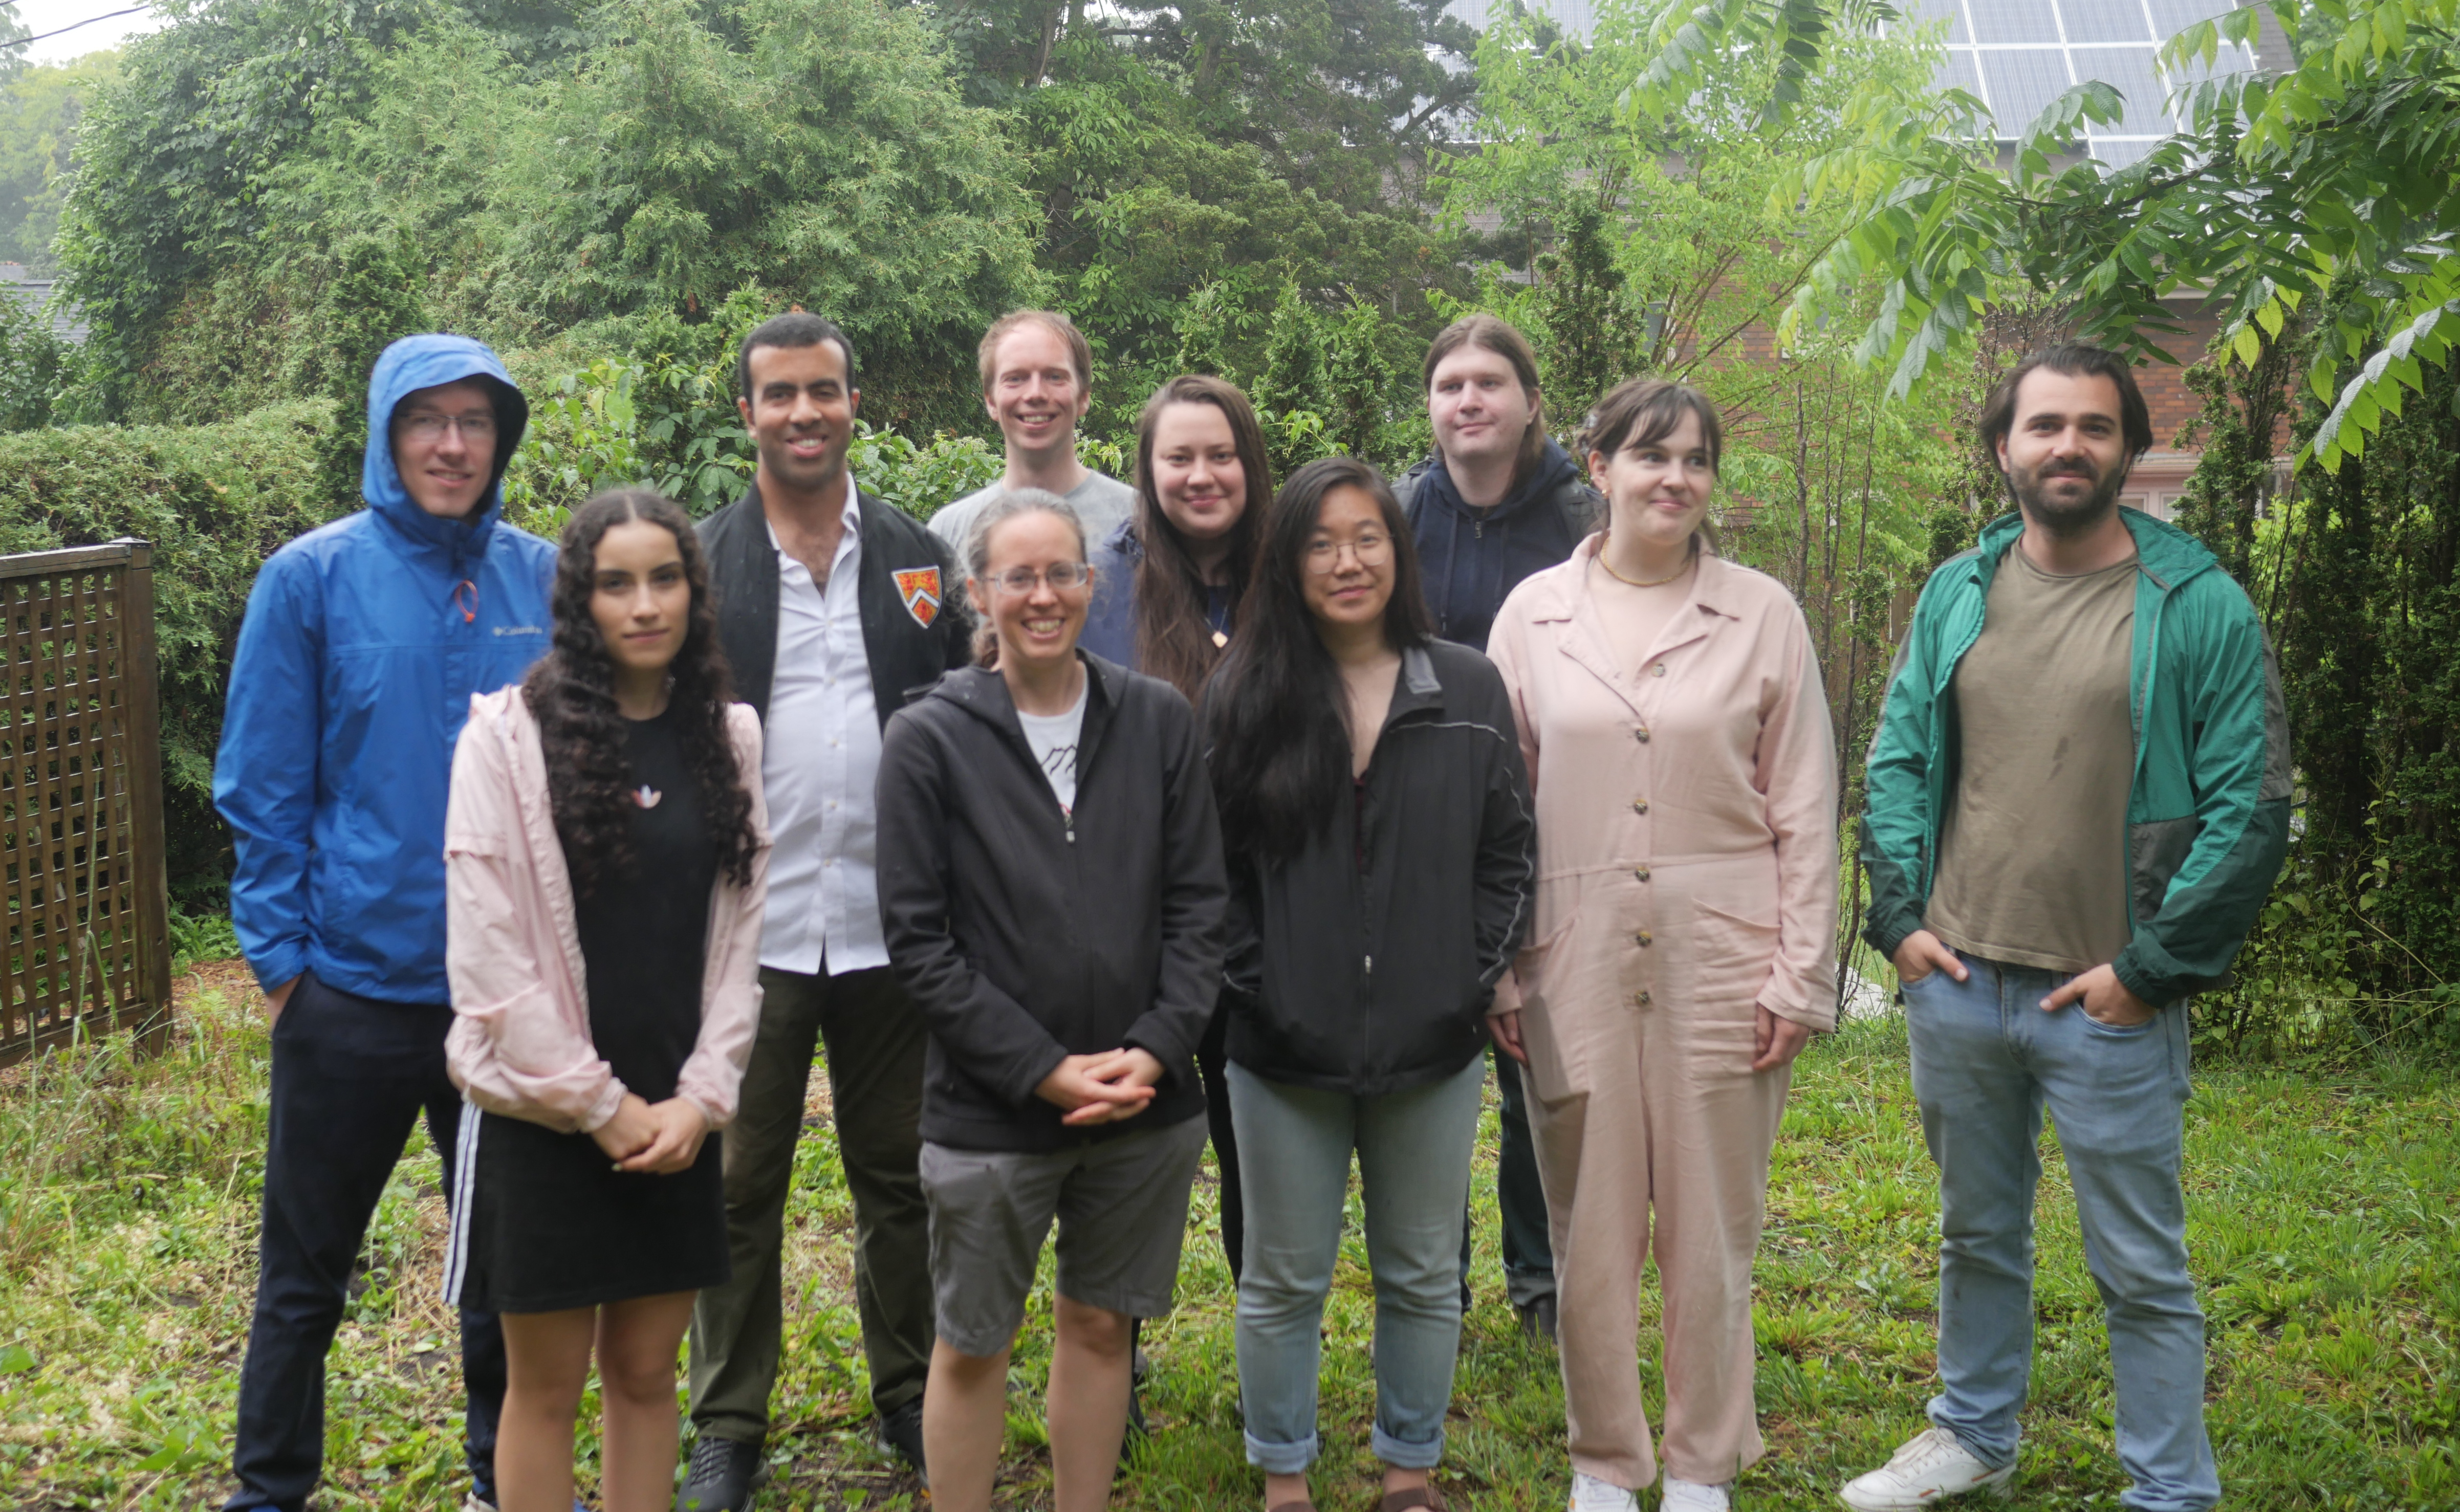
x,y
41,108
1237,144
374,301
2347,162
590,182
29,364
174,155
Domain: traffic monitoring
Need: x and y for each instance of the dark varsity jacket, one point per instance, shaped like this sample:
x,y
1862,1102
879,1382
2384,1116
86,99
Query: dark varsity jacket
x,y
908,589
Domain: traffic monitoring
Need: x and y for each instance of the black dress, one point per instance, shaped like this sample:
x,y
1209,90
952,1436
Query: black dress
x,y
550,1223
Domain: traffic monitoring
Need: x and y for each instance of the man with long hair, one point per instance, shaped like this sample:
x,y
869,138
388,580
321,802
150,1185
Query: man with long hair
x,y
2077,801
1498,500
363,643
834,610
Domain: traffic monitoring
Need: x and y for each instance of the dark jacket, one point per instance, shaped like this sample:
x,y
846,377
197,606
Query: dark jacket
x,y
1025,933
362,642
1376,980
1111,620
909,590
1470,560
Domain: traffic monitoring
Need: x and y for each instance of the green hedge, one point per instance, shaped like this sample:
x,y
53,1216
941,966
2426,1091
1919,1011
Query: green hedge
x,y
215,500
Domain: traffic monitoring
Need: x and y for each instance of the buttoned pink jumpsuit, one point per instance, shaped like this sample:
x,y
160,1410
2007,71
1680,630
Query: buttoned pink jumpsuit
x,y
1687,874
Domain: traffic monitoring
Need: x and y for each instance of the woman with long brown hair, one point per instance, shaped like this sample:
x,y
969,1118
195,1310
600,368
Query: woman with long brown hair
x,y
1166,593
605,857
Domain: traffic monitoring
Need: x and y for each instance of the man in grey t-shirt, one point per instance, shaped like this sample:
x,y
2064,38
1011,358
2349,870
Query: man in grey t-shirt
x,y
1037,383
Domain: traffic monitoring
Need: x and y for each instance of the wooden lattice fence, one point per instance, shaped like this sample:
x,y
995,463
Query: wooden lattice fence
x,y
81,855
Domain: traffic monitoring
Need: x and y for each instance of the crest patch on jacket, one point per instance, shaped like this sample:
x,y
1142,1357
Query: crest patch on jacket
x,y
919,588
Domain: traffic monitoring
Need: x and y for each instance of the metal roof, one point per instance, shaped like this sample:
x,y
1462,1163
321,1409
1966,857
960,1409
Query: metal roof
x,y
66,325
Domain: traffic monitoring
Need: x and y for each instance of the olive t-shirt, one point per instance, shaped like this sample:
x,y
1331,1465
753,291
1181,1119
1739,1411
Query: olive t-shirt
x,y
2033,856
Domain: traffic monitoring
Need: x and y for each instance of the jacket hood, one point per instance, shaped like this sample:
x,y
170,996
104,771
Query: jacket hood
x,y
2169,553
1555,468
423,362
982,692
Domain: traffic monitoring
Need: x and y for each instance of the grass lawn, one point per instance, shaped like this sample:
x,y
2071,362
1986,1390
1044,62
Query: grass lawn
x,y
2325,1237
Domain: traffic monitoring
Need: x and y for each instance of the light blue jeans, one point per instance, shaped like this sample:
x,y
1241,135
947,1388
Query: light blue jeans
x,y
1986,1060
1413,1157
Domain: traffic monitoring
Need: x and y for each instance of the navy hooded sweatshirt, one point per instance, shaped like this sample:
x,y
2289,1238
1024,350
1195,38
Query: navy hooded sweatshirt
x,y
1470,560
362,642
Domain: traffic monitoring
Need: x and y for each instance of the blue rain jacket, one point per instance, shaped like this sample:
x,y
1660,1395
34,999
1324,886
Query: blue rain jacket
x,y
362,642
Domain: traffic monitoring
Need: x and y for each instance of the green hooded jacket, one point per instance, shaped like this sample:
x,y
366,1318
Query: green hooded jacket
x,y
2208,812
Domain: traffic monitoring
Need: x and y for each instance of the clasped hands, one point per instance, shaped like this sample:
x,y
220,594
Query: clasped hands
x,y
655,1139
2103,998
1101,1088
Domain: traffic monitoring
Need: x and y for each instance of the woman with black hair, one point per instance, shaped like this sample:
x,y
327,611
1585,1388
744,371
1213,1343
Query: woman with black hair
x,y
606,856
1376,820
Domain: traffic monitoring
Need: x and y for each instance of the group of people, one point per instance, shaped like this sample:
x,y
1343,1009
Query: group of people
x,y
1102,819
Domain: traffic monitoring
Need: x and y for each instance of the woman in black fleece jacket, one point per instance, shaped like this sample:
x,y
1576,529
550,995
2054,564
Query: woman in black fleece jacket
x,y
1052,885
1377,820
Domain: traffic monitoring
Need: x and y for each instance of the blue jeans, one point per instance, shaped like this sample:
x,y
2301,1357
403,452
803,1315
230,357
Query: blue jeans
x,y
1414,1159
1986,1060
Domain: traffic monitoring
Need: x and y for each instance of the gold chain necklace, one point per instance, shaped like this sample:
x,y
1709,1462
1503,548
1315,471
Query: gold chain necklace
x,y
1689,559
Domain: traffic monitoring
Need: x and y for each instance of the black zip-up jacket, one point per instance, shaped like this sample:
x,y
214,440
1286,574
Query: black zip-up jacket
x,y
1376,978
912,631
1026,934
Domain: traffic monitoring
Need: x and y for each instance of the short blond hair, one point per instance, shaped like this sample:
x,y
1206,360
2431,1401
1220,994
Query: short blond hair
x,y
1080,351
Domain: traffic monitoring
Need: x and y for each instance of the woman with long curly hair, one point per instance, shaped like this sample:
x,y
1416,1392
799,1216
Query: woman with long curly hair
x,y
605,857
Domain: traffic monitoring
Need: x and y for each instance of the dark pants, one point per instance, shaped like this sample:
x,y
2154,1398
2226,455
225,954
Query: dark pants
x,y
1528,1251
350,1077
873,1039
1210,1058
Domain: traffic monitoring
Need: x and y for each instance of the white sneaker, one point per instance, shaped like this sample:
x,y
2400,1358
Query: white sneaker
x,y
1930,1467
1690,1496
1589,1494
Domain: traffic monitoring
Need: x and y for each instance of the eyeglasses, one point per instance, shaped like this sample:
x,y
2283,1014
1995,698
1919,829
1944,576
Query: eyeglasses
x,y
1372,549
475,428
1061,576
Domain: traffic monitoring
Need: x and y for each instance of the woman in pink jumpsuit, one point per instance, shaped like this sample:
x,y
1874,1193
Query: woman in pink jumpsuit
x,y
1684,942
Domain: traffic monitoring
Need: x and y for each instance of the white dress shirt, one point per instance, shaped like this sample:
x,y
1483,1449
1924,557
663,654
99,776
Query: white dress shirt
x,y
819,765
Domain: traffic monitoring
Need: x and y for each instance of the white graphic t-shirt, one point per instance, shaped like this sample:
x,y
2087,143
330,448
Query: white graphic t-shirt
x,y
1053,738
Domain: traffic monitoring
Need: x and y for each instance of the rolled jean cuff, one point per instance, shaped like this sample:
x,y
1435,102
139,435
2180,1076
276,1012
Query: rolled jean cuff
x,y
1284,1458
1403,1455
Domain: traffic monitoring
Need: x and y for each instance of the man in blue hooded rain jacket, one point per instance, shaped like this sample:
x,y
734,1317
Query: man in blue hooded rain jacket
x,y
363,643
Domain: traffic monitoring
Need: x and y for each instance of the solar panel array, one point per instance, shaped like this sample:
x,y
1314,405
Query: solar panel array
x,y
2018,55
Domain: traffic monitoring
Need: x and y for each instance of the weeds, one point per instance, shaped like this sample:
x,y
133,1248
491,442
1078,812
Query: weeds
x,y
2323,1230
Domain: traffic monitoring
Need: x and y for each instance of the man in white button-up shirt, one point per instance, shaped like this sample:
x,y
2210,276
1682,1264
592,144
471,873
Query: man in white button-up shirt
x,y
833,609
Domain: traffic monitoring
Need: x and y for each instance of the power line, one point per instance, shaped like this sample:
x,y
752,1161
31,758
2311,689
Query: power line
x,y
74,25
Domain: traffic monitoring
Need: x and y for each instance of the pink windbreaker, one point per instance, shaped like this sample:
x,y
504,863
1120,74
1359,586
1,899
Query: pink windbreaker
x,y
521,1043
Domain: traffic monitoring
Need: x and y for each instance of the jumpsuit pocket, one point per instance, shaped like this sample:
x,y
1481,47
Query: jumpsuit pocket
x,y
1731,958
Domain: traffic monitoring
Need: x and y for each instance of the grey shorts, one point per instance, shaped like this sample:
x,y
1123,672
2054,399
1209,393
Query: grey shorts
x,y
1121,1205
